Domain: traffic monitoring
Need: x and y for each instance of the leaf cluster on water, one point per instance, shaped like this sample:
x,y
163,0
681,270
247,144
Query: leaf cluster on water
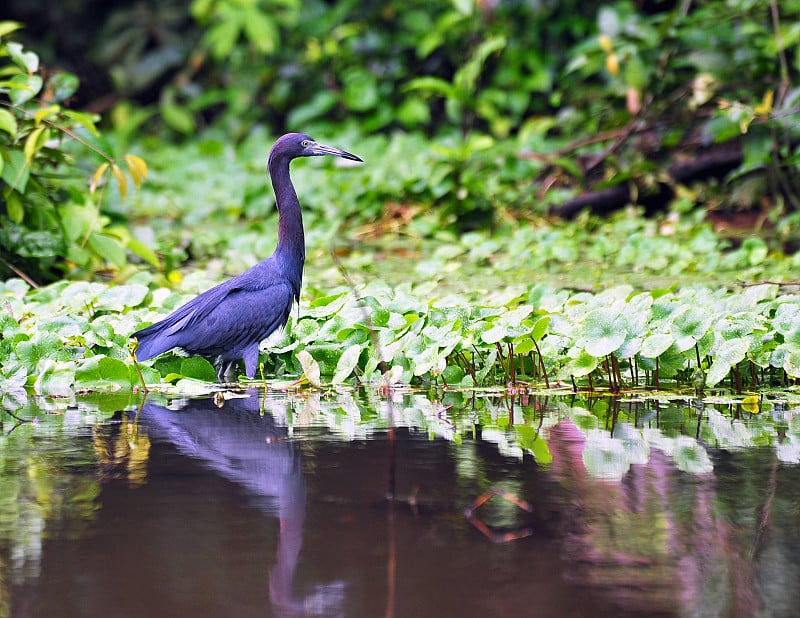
x,y
75,335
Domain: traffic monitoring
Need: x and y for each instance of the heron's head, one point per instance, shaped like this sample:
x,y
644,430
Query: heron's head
x,y
293,145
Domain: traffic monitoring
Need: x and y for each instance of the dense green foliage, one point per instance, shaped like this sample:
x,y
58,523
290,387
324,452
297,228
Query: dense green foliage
x,y
504,329
508,95
51,220
473,118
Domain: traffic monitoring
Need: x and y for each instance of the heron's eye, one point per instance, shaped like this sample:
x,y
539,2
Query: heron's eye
x,y
305,143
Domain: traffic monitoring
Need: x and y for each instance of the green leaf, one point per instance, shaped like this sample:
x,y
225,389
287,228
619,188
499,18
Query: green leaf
x,y
8,123
16,170
729,354
7,27
540,327
177,117
524,344
689,325
222,37
261,31
22,88
305,330
655,345
787,317
413,111
431,85
791,364
117,298
466,78
55,378
583,364
62,85
14,206
84,119
605,331
108,248
27,61
360,90
198,368
347,363
34,142
327,305
495,334
102,373
144,252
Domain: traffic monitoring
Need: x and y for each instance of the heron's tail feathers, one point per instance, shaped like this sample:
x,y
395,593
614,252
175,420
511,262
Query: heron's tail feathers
x,y
153,342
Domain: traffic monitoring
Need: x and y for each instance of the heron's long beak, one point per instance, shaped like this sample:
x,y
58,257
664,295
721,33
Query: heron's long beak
x,y
322,149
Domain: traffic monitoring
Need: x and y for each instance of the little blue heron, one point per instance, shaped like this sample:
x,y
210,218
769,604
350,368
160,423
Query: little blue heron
x,y
231,319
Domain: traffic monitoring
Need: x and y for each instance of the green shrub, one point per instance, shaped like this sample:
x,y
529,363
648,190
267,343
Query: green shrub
x,y
51,220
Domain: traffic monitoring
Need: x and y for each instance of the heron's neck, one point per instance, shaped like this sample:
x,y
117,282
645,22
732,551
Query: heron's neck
x,y
291,250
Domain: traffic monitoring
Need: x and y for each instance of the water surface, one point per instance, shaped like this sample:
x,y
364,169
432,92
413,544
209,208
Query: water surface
x,y
349,504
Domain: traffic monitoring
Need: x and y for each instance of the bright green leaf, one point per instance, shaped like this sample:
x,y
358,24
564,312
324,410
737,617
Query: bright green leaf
x,y
8,122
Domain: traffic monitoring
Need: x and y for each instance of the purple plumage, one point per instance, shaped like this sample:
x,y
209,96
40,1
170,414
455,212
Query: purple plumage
x,y
231,319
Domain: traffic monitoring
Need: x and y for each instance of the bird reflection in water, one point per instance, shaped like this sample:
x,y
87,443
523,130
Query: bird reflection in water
x,y
242,442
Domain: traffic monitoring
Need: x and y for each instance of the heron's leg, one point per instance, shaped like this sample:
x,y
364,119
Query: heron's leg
x,y
251,361
224,370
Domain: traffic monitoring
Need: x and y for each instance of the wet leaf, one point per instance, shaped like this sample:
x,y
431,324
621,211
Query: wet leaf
x,y
605,332
655,345
584,364
791,363
119,297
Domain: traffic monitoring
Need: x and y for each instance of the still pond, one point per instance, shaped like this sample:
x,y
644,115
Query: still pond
x,y
355,503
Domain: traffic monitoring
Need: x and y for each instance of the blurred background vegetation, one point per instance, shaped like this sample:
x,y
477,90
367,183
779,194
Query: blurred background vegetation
x,y
472,115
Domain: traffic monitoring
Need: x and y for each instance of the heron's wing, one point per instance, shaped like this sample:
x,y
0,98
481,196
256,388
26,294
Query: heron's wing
x,y
243,318
240,307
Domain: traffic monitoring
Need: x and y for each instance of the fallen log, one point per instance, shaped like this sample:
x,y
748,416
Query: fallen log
x,y
717,162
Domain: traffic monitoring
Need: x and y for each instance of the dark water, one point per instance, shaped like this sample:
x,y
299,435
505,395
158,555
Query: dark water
x,y
277,505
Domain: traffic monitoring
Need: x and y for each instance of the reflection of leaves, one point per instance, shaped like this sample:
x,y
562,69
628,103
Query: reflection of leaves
x,y
691,457
532,441
47,483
